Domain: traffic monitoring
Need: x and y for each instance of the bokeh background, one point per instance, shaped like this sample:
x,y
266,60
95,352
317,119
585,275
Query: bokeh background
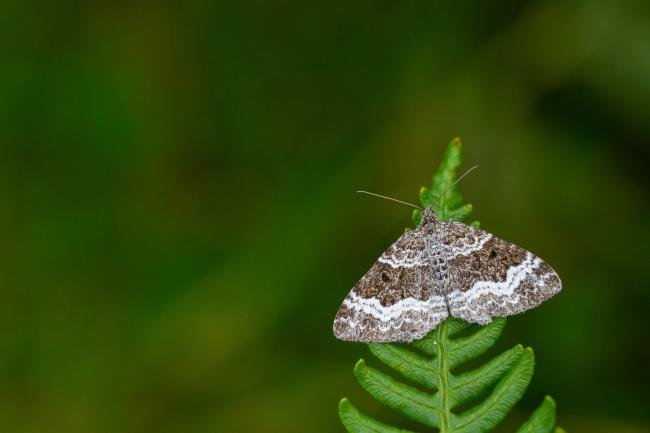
x,y
177,212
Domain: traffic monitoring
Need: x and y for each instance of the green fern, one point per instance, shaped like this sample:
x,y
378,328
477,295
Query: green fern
x,y
430,362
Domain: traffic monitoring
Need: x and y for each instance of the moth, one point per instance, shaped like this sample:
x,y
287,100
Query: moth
x,y
438,270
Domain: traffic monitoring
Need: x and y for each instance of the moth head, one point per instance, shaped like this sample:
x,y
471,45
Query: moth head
x,y
429,217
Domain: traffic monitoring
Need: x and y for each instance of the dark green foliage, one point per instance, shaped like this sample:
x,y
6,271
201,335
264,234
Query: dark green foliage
x,y
430,363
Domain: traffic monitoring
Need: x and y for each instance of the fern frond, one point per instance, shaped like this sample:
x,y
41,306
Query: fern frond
x,y
443,196
436,391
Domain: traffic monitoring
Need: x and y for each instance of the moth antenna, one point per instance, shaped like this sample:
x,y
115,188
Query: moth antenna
x,y
457,180
389,198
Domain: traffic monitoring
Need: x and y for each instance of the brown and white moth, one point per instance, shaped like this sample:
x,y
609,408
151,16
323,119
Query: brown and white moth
x,y
442,269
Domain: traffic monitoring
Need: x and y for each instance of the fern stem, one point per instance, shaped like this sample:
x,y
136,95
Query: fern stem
x,y
443,378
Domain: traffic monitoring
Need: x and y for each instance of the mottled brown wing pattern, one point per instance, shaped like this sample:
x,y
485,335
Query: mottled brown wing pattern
x,y
397,299
489,277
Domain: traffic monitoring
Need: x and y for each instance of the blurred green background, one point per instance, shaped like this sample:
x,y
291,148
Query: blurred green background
x,y
178,219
